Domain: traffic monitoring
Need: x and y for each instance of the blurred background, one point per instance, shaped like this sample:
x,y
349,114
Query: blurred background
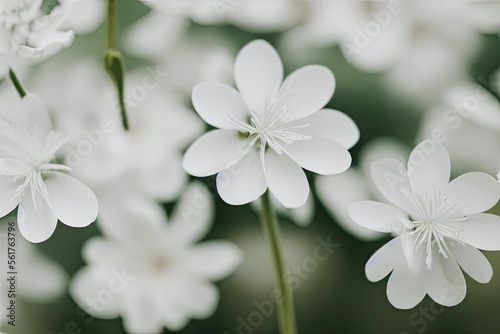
x,y
399,71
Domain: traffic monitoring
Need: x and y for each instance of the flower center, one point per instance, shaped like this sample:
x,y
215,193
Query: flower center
x,y
28,158
433,223
271,125
160,263
21,18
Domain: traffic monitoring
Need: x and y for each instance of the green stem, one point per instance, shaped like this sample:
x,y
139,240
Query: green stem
x,y
19,87
114,61
110,26
271,228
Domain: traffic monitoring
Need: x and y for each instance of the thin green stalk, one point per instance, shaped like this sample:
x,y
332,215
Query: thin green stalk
x,y
114,62
110,25
19,87
271,228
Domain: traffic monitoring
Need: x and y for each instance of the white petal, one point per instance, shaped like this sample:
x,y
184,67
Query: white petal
x,y
163,181
473,262
244,182
384,260
320,155
85,287
8,190
35,225
214,151
175,317
445,282
140,313
307,90
286,180
193,214
391,179
336,192
214,102
428,166
475,192
73,203
258,72
43,279
405,288
214,260
83,16
331,124
33,115
482,231
198,297
376,216
154,35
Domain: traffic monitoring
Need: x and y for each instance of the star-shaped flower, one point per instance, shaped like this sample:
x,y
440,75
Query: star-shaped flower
x,y
269,129
152,270
32,178
439,226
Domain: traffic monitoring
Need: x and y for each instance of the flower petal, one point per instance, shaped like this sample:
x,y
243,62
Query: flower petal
x,y
192,216
258,72
243,182
376,216
85,287
214,102
35,225
475,192
445,282
320,155
199,298
482,231
286,180
138,310
428,166
331,124
31,114
384,260
405,288
213,260
391,179
73,203
336,192
473,262
8,190
214,151
307,90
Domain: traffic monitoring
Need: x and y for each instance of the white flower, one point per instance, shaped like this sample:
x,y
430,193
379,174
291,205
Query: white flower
x,y
269,130
166,275
27,32
261,16
439,226
31,178
356,184
83,16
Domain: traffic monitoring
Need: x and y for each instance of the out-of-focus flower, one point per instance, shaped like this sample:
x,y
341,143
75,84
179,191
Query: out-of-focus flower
x,y
32,178
269,130
466,110
165,276
83,16
146,159
356,184
27,32
422,45
192,60
261,16
439,226
42,280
